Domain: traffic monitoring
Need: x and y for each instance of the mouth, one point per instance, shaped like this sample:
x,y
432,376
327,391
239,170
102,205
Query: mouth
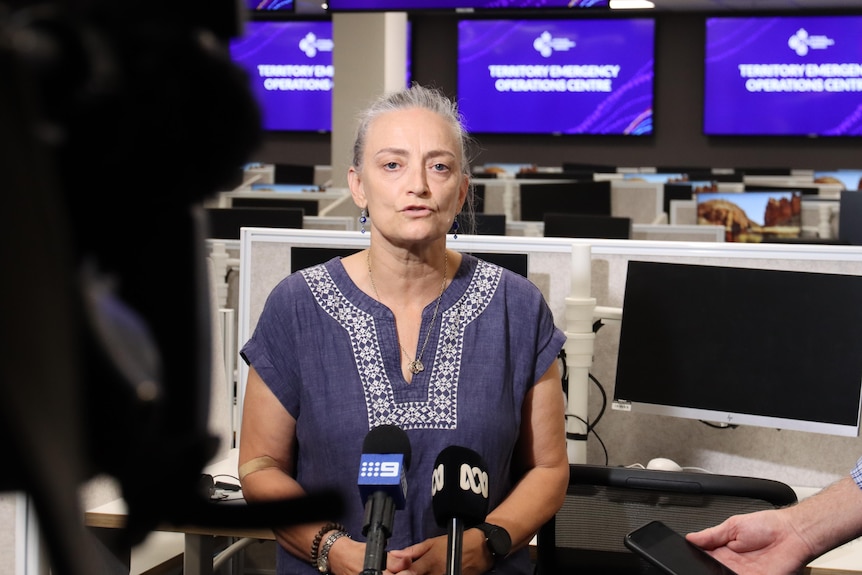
x,y
417,210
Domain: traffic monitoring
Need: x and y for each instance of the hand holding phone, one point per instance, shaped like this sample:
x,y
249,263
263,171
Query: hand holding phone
x,y
671,552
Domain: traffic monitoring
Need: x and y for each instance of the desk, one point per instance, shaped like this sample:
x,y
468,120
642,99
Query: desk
x,y
198,544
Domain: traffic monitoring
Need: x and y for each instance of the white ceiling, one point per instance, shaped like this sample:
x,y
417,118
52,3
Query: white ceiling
x,y
754,5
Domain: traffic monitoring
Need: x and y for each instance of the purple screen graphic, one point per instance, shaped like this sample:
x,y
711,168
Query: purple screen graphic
x,y
278,5
783,76
289,64
584,76
402,5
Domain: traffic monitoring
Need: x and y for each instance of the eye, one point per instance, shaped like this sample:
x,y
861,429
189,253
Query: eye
x,y
440,167
390,166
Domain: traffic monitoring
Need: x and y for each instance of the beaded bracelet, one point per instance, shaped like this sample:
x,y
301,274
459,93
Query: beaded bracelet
x,y
315,544
323,559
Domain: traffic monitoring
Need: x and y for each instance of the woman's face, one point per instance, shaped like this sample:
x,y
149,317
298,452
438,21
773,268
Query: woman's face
x,y
411,178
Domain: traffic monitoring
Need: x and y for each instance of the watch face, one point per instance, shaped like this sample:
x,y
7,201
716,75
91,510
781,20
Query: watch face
x,y
499,541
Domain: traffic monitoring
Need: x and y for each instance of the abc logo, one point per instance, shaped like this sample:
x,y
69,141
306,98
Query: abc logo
x,y
469,479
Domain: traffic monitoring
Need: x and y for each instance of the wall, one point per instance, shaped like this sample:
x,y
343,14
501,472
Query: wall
x,y
677,142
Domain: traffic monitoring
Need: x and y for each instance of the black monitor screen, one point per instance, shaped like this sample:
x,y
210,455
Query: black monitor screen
x,y
850,218
587,226
225,223
741,346
293,173
491,224
580,197
310,207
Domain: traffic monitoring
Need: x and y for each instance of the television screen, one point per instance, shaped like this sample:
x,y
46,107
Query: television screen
x,y
575,197
741,346
461,5
563,76
752,216
289,63
783,76
270,5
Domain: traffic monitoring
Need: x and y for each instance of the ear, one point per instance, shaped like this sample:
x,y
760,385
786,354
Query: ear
x,y
357,190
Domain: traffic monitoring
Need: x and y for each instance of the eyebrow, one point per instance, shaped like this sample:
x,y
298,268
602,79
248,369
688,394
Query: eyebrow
x,y
403,152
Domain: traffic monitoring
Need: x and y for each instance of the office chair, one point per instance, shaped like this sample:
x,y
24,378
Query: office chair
x,y
604,503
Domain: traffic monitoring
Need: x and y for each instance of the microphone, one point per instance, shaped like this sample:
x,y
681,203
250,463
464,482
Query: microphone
x,y
459,497
383,488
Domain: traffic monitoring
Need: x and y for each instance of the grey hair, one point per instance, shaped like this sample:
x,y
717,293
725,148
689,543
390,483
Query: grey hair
x,y
432,99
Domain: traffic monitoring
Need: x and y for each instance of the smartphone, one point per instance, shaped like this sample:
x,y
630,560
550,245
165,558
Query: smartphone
x,y
671,552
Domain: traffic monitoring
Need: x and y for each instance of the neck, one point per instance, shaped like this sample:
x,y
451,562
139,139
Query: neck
x,y
407,284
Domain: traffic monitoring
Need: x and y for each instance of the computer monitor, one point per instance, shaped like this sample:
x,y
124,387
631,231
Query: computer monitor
x,y
293,174
225,223
851,180
577,197
752,216
586,166
491,224
310,207
479,197
804,190
587,226
676,191
850,218
741,346
565,175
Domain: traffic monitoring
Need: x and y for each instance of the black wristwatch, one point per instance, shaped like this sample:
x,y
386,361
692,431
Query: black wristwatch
x,y
498,540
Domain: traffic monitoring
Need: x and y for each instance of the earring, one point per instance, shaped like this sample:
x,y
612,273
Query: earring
x,y
454,229
363,217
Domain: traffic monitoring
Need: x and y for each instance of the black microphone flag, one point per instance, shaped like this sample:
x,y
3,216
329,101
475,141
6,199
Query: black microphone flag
x,y
459,497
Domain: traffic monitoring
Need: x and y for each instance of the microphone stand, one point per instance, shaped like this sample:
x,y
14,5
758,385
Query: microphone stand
x,y
456,544
379,518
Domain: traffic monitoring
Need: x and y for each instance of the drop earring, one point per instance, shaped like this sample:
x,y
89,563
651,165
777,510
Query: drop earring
x,y
454,229
363,217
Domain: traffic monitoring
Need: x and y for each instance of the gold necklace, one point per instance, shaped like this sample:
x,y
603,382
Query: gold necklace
x,y
415,366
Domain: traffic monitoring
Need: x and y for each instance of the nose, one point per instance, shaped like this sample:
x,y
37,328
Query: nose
x,y
418,180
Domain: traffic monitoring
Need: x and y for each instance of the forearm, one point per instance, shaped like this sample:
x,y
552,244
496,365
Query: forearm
x,y
274,484
533,501
829,518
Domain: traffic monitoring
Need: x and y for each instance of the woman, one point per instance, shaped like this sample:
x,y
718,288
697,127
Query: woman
x,y
451,349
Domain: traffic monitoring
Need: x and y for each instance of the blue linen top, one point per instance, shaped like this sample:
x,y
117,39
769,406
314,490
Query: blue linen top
x,y
331,356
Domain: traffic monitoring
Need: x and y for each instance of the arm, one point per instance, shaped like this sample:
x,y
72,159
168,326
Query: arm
x,y
538,495
785,540
266,462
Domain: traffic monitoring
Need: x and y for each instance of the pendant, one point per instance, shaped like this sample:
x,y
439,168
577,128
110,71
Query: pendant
x,y
415,366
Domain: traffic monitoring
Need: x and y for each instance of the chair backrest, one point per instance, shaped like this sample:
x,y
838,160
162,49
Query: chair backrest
x,y
604,503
